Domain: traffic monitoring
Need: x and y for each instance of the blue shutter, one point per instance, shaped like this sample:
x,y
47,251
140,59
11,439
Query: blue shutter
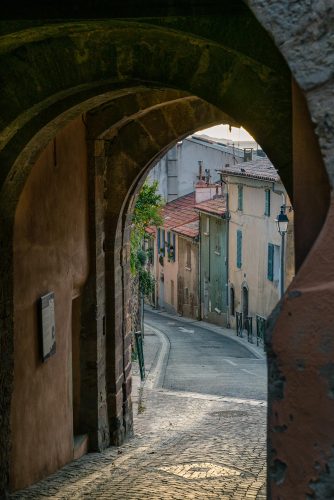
x,y
158,241
270,262
240,198
267,203
163,242
174,247
168,243
239,248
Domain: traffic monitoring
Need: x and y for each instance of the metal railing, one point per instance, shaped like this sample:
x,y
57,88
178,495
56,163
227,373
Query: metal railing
x,y
239,323
260,330
140,353
249,328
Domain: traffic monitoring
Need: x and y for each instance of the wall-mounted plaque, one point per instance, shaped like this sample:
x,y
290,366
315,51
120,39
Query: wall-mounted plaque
x,y
47,325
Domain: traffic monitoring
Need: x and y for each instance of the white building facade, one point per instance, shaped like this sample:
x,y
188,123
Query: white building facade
x,y
196,156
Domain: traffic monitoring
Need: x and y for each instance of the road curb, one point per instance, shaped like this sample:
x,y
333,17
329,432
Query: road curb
x,y
156,376
214,328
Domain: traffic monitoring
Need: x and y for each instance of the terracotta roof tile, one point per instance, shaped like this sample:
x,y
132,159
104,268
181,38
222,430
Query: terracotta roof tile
x,y
216,206
179,212
191,229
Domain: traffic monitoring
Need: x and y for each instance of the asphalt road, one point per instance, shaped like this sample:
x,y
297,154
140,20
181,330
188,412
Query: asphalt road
x,y
206,362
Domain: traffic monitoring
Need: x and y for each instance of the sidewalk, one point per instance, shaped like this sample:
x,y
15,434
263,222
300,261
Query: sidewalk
x,y
152,348
227,332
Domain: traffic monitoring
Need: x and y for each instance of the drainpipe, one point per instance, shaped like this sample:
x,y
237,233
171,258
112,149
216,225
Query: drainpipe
x,y
282,279
227,258
199,271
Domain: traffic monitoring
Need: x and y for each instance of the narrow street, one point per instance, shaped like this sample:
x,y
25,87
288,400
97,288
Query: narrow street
x,y
206,362
199,424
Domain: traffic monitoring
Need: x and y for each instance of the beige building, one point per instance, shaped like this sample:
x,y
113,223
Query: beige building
x,y
255,196
175,261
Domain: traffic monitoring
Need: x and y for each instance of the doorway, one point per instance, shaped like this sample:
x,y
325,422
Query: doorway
x,y
245,300
80,441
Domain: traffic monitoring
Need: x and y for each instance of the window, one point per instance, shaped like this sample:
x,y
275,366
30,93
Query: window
x,y
239,248
158,240
217,238
163,246
273,273
171,246
188,262
206,226
267,203
231,301
240,198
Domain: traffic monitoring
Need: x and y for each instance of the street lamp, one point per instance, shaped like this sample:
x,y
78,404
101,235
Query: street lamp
x,y
282,227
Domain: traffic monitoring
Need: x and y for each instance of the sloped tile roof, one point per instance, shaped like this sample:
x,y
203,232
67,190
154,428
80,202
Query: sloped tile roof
x,y
179,212
257,169
216,206
191,229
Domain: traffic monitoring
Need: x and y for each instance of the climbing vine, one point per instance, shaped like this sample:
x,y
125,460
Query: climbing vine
x,y
147,212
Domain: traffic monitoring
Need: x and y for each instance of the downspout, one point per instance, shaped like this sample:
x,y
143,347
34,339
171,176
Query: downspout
x,y
227,258
283,240
199,271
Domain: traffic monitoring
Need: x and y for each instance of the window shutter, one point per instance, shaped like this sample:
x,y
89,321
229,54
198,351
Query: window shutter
x,y
158,241
168,244
174,247
239,248
270,262
163,242
267,203
240,200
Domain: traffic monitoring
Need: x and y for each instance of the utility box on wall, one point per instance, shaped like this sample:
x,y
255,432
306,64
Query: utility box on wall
x,y
46,309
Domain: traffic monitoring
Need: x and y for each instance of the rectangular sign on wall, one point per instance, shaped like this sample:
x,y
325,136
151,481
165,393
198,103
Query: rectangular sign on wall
x,y
47,325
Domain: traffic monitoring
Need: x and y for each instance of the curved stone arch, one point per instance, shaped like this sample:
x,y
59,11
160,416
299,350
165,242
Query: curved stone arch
x,y
126,162
304,35
199,114
281,485
96,54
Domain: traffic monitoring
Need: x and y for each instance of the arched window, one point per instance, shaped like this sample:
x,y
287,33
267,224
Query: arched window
x,y
232,301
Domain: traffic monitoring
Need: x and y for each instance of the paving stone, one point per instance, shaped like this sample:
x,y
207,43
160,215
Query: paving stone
x,y
185,447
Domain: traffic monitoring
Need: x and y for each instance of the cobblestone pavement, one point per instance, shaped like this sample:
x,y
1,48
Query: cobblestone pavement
x,y
186,446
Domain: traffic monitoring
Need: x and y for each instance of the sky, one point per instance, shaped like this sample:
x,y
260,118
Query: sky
x,y
223,131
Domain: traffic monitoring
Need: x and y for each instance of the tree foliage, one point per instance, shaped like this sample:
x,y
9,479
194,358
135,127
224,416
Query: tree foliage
x,y
147,212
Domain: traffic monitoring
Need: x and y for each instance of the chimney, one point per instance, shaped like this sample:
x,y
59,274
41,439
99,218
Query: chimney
x,y
200,171
204,191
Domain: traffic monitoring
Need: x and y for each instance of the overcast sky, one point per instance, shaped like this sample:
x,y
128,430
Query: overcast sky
x,y
223,131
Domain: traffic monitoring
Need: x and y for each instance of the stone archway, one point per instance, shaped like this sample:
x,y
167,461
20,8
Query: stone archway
x,y
120,54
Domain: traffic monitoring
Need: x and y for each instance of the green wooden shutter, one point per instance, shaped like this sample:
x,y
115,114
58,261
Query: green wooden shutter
x,y
239,248
267,203
240,198
174,247
270,262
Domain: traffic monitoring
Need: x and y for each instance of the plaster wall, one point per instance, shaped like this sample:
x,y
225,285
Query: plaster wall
x,y
188,303
165,275
177,172
258,230
50,254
